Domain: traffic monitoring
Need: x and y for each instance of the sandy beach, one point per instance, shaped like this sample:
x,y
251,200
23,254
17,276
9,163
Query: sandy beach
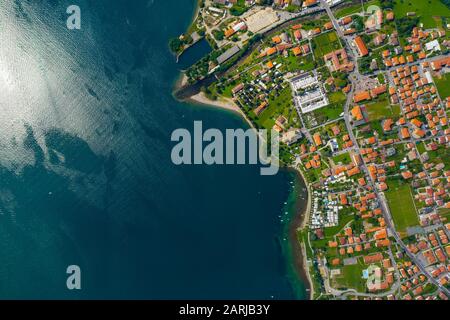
x,y
223,103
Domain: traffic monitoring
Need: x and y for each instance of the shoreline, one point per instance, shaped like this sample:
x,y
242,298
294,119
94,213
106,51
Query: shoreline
x,y
301,215
297,222
221,103
194,18
302,212
300,226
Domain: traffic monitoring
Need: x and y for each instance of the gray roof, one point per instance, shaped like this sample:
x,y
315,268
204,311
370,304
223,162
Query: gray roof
x,y
227,54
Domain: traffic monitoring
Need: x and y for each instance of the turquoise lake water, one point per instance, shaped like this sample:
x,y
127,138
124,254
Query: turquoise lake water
x,y
85,170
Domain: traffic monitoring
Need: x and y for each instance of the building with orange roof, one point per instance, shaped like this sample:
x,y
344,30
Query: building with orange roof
x,y
261,108
418,133
361,96
380,234
404,133
346,20
328,25
361,46
271,51
297,51
373,258
309,3
343,198
417,122
387,124
353,171
407,175
298,35
378,90
317,139
441,63
276,40
229,32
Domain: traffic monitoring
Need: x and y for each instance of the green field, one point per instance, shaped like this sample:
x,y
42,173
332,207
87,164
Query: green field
x,y
429,11
342,158
277,105
381,110
337,97
293,63
326,43
443,85
401,205
355,9
351,277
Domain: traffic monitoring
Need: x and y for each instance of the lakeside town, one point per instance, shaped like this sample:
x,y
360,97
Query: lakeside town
x,y
359,92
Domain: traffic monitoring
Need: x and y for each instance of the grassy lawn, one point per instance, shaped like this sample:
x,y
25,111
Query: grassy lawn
x,y
342,158
401,205
355,9
326,43
382,110
429,11
277,105
351,277
443,85
328,113
337,97
293,63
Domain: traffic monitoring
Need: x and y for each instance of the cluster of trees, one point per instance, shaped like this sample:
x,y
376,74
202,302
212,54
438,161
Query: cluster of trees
x,y
177,45
364,64
238,8
387,4
405,25
358,23
340,79
446,2
219,35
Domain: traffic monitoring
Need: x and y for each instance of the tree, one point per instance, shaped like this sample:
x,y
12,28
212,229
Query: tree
x,y
175,45
406,25
218,34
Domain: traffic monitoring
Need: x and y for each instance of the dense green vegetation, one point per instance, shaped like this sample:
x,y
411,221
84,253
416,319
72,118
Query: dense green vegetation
x,y
239,8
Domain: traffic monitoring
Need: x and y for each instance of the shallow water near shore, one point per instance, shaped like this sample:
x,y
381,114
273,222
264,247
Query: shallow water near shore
x,y
86,175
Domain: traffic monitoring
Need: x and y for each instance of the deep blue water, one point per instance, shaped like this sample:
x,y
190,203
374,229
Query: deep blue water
x,y
194,54
85,170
